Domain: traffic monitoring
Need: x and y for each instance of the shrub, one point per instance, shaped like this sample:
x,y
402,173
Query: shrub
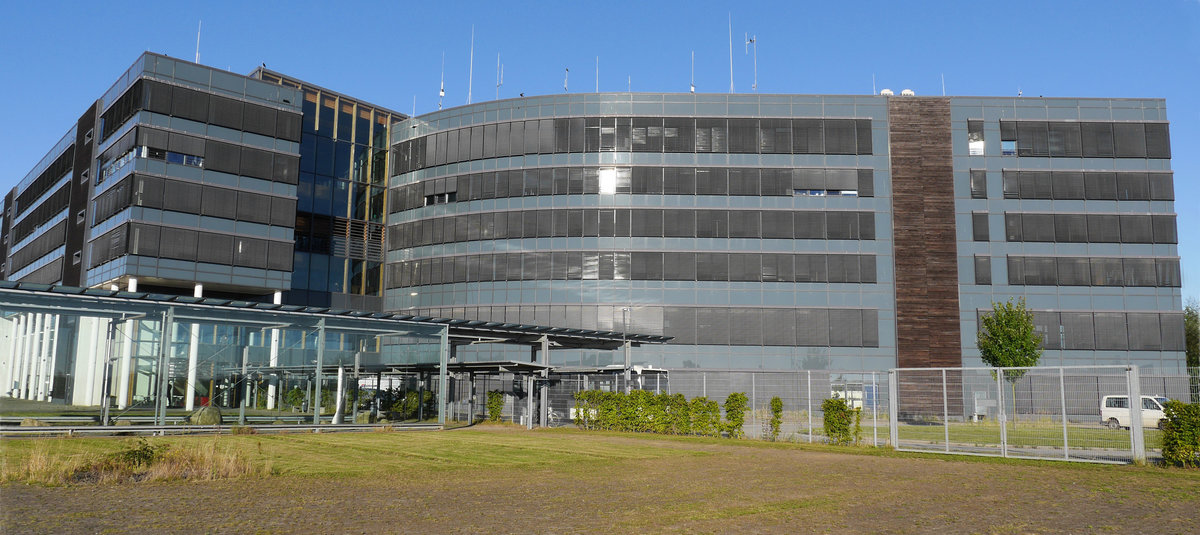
x,y
843,425
1181,434
243,430
30,422
776,417
495,405
735,414
705,416
140,453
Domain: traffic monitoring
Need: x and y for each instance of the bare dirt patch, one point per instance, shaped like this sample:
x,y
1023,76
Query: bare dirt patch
x,y
501,480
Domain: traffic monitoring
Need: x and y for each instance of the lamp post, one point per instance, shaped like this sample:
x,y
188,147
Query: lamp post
x,y
625,344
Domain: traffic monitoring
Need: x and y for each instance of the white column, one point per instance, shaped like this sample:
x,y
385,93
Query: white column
x,y
35,354
50,352
129,332
274,356
90,352
189,402
16,342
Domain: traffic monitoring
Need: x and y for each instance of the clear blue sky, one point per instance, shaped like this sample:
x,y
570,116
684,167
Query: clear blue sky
x,y
58,56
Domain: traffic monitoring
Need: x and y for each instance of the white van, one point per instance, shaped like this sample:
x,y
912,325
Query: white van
x,y
1114,411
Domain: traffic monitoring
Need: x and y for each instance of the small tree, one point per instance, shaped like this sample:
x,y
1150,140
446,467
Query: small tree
x,y
495,405
1191,344
735,414
776,417
1007,340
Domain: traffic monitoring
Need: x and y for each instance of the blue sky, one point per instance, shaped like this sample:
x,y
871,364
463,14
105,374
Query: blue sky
x,y
58,56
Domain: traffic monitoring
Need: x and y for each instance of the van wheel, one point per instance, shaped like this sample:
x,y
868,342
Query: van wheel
x,y
1113,423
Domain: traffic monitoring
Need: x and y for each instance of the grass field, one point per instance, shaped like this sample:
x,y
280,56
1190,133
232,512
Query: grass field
x,y
500,479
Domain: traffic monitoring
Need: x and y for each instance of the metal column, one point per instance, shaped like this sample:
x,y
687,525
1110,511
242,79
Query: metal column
x,y
317,372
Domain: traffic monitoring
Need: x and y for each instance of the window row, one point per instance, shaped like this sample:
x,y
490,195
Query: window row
x,y
336,117
340,237
1086,139
654,223
805,327
636,134
1085,228
1081,185
200,106
1084,271
196,151
193,198
638,180
45,180
601,265
51,239
43,212
1109,331
343,159
196,246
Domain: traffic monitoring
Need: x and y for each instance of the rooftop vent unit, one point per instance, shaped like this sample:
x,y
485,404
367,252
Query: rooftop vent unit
x,y
886,93
907,93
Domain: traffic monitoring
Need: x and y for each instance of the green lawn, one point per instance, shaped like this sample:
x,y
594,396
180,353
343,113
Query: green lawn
x,y
502,479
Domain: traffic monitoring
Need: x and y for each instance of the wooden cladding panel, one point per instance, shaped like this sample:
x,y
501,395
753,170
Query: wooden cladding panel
x,y
927,326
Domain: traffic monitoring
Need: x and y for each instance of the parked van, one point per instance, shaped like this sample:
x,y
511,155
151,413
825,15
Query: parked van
x,y
1114,411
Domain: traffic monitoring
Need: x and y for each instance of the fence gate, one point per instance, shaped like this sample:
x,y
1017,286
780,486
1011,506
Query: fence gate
x,y
1075,413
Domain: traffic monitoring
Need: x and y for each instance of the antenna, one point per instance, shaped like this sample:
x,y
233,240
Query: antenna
x,y
753,40
943,84
872,83
198,25
597,74
731,52
629,83
442,90
499,75
693,71
566,74
471,65
414,113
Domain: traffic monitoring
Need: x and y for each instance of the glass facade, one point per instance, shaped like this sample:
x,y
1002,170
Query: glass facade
x,y
342,198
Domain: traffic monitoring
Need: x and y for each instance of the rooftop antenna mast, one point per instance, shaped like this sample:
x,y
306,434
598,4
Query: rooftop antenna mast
x,y
414,113
872,83
442,89
943,84
753,40
198,25
499,75
566,74
731,52
693,72
597,74
471,65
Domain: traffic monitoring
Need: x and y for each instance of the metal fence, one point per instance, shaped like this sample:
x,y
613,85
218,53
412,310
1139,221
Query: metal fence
x,y
1076,413
1040,413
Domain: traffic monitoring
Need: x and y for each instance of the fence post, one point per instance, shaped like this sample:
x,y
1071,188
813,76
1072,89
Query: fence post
x,y
874,412
704,384
1000,416
945,412
810,428
1137,442
753,401
1062,395
893,420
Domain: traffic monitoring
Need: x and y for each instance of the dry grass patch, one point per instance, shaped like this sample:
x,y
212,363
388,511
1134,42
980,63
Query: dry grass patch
x,y
138,460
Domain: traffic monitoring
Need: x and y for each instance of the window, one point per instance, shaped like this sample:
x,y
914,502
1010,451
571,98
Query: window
x,y
978,184
975,138
983,270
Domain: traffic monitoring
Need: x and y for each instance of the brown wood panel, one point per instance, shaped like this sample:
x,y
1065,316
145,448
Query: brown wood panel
x,y
925,243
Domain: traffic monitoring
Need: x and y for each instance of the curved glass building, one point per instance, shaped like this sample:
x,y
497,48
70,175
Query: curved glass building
x,y
793,231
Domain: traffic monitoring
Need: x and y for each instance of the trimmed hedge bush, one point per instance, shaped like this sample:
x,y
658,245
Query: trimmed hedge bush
x,y
735,414
495,405
647,412
843,425
1181,434
776,417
